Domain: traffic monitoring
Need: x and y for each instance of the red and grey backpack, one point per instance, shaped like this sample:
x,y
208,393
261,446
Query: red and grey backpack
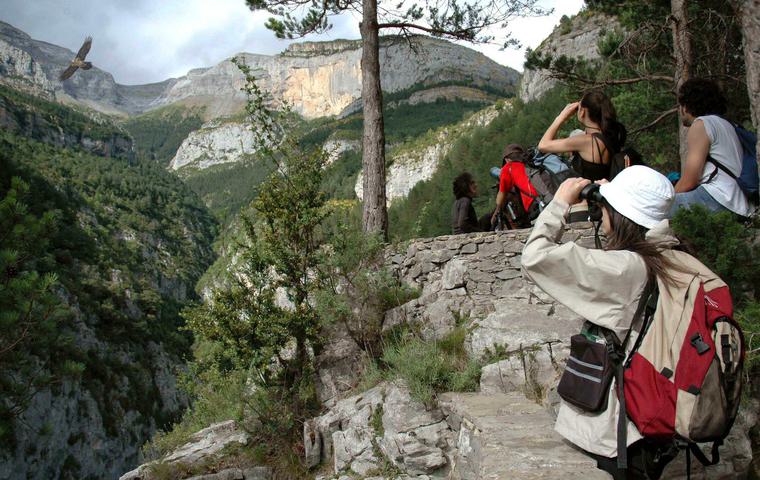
x,y
682,379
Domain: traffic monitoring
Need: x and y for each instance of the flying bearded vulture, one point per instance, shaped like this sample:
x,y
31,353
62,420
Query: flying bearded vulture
x,y
78,61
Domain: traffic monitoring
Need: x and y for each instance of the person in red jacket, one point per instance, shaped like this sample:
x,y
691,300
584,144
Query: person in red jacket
x,y
513,184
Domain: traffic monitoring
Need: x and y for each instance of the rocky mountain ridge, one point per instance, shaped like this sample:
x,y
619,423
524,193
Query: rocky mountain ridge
x,y
575,38
316,78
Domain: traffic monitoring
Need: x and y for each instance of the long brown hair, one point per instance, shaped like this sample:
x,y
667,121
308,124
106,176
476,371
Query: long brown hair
x,y
601,111
628,235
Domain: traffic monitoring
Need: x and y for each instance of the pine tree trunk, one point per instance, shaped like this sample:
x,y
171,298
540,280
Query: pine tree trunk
x,y
683,57
374,213
751,33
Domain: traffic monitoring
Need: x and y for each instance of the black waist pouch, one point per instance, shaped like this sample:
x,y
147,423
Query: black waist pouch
x,y
588,374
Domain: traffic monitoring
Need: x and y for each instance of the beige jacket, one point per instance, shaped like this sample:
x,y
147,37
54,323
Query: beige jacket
x,y
604,287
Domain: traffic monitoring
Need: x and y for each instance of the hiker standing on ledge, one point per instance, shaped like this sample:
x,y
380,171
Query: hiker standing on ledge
x,y
605,287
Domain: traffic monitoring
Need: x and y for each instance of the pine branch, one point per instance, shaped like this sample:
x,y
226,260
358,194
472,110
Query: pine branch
x,y
657,120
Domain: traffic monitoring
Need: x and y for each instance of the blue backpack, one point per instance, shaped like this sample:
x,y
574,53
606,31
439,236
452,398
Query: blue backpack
x,y
748,178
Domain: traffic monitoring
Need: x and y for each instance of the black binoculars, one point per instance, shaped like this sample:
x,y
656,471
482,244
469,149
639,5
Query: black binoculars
x,y
591,193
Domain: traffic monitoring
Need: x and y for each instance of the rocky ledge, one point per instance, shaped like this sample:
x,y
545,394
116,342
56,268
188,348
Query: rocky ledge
x,y
503,431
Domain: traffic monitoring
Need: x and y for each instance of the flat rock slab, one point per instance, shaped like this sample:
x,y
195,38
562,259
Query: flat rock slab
x,y
203,445
254,473
508,437
516,324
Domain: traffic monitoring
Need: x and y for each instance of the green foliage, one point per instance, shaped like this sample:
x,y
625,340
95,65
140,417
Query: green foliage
x,y
227,189
406,93
358,289
30,312
428,368
723,245
243,318
426,211
340,176
159,133
215,395
67,119
376,421
609,43
749,319
402,122
123,240
243,331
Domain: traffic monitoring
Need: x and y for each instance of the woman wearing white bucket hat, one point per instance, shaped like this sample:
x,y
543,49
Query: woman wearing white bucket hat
x,y
605,286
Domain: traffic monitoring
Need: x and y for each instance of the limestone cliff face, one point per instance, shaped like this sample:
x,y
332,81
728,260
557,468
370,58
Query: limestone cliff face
x,y
322,79
578,39
19,70
316,78
94,88
413,164
215,144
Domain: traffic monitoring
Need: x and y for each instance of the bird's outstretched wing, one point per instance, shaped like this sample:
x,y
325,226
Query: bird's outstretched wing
x,y
68,72
85,48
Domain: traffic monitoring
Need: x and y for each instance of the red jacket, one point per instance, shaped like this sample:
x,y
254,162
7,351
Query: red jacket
x,y
513,175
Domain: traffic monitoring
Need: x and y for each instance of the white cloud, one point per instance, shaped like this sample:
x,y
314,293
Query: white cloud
x,y
144,41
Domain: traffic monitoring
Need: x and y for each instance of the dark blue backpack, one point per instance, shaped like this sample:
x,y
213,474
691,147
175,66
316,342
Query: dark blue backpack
x,y
748,178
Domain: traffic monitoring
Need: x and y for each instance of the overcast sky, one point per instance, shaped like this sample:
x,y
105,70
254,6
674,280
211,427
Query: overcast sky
x,y
143,41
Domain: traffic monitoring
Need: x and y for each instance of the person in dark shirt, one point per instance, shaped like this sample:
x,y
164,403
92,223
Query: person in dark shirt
x,y
463,217
602,136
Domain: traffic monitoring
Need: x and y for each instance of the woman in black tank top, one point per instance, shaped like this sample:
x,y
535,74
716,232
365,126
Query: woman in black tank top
x,y
603,136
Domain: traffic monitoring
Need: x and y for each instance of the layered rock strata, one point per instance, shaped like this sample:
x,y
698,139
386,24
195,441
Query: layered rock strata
x,y
578,39
316,78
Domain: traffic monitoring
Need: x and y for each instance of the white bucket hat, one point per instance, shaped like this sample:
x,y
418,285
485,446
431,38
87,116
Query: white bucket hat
x,y
641,194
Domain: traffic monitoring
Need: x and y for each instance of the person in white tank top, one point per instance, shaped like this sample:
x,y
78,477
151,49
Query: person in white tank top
x,y
700,105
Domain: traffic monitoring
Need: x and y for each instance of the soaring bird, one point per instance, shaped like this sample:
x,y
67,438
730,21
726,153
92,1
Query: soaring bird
x,y
78,61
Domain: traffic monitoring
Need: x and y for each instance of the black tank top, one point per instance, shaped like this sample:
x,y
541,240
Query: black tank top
x,y
592,171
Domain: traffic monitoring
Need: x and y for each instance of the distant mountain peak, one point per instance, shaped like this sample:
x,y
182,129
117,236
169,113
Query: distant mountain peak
x,y
314,87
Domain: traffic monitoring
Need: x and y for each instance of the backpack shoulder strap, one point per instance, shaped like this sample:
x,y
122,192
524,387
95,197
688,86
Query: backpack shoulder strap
x,y
622,430
720,166
514,183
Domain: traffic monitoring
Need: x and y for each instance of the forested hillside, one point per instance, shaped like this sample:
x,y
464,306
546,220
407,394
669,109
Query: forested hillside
x,y
159,133
143,298
226,188
100,254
